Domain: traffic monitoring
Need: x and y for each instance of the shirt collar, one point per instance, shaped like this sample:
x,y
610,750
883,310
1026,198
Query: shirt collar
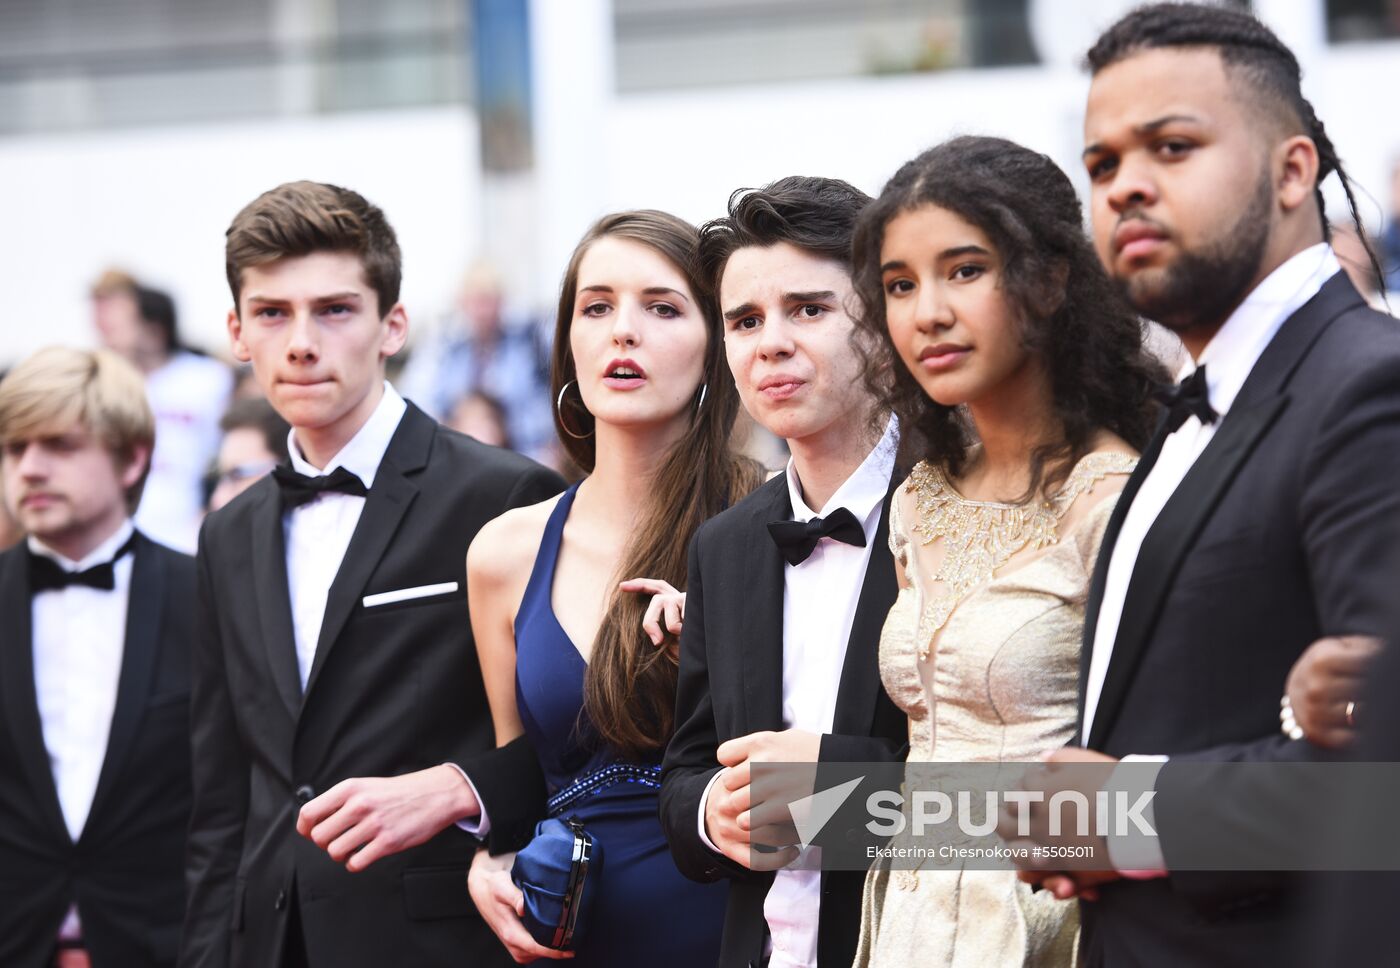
x,y
363,454
1233,351
863,491
100,555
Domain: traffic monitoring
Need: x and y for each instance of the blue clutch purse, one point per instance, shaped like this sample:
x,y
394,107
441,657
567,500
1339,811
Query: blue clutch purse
x,y
558,873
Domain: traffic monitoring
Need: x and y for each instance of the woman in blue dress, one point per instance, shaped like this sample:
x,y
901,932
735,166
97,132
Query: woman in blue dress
x,y
645,406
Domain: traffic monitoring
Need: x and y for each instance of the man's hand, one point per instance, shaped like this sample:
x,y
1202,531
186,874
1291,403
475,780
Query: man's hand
x,y
788,746
502,905
728,797
1029,823
359,821
1325,683
1067,884
734,822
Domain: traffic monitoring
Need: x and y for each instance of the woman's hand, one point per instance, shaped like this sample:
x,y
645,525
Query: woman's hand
x,y
502,905
1324,687
666,605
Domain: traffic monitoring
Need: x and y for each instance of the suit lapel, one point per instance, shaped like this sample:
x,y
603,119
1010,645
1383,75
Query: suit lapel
x,y
1105,556
1262,398
1168,540
145,606
388,501
274,601
17,686
860,687
761,584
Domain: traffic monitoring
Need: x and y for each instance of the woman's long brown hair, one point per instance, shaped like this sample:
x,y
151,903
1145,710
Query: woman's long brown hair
x,y
630,686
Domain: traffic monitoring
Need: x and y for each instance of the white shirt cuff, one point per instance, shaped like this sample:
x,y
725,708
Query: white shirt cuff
x,y
480,825
704,799
1135,856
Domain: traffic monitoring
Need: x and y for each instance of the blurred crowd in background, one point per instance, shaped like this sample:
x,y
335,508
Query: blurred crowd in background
x,y
482,369
507,126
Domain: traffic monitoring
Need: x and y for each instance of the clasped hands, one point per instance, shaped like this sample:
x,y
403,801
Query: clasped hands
x,y
1028,824
758,833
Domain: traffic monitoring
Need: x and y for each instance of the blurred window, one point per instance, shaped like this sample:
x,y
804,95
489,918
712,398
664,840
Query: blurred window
x,y
74,64
702,43
1349,21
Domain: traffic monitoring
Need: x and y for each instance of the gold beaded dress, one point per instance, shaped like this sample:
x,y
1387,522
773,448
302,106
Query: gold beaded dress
x,y
981,649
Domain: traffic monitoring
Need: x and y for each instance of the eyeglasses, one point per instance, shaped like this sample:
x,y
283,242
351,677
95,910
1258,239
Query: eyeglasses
x,y
245,472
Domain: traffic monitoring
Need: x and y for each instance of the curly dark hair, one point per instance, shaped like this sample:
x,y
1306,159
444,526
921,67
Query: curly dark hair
x,y
1253,54
1101,375
814,214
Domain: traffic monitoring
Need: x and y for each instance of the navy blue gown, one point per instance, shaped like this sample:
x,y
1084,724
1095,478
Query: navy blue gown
x,y
646,913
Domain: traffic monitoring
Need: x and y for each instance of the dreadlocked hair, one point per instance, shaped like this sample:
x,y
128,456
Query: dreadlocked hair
x,y
1253,52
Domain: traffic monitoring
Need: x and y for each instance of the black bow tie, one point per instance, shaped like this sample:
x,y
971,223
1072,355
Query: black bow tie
x,y
298,489
797,539
1187,398
46,575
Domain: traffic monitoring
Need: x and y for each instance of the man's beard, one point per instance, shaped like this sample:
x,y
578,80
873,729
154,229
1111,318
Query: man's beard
x,y
1201,288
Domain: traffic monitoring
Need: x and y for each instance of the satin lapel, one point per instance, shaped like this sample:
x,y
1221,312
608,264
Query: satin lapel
x,y
274,601
388,501
761,605
145,606
1168,540
1105,556
17,686
859,692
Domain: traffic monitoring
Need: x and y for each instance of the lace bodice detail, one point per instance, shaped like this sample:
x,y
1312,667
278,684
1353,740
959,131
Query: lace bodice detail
x,y
979,537
991,630
981,648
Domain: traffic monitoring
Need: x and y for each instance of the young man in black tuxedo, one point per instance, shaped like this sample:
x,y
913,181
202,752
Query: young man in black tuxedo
x,y
333,637
1262,515
94,677
782,625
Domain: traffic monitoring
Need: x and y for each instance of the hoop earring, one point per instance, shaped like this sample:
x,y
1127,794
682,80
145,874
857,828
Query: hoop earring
x,y
701,402
559,408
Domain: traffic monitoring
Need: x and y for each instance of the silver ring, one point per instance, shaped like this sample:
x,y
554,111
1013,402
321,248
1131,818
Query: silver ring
x,y
1351,714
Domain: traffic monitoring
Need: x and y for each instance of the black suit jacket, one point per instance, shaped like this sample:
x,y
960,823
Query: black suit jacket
x,y
731,684
1274,538
392,689
126,871
1353,912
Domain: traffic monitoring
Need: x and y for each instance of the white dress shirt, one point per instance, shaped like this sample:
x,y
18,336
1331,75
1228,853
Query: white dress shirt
x,y
1229,358
819,607
318,533
78,638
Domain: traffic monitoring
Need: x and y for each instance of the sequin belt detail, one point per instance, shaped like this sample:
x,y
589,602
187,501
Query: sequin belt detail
x,y
591,783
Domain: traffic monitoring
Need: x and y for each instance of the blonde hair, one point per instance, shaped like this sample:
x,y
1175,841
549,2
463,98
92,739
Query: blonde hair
x,y
59,386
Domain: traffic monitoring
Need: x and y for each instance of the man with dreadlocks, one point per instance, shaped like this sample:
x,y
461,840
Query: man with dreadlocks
x,y
1265,511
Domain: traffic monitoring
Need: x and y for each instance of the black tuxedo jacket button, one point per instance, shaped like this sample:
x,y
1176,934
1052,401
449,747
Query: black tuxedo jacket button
x,y
305,793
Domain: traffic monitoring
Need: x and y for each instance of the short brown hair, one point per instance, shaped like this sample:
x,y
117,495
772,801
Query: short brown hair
x,y
59,386
113,281
255,413
303,217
